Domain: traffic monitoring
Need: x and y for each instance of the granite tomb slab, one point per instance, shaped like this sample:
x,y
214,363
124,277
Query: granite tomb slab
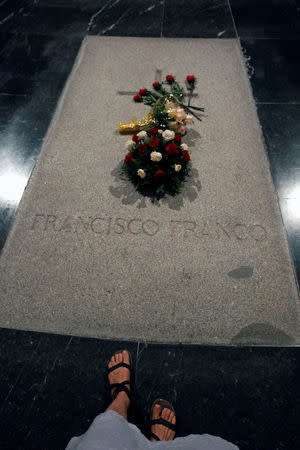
x,y
87,255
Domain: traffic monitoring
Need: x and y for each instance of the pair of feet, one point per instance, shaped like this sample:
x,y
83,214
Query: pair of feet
x,y
121,401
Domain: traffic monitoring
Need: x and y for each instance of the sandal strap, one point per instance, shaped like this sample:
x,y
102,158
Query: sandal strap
x,y
162,421
152,435
114,385
120,387
121,364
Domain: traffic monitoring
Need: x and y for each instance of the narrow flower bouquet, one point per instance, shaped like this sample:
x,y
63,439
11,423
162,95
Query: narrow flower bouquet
x,y
157,161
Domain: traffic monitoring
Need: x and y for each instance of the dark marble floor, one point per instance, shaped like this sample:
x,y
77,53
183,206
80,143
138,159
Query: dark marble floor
x,y
52,386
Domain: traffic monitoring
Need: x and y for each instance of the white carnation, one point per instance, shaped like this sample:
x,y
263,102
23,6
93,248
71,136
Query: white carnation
x,y
142,135
155,156
168,135
177,167
184,147
141,173
129,145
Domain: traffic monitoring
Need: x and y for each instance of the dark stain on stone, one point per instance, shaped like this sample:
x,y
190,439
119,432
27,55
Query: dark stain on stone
x,y
241,272
262,334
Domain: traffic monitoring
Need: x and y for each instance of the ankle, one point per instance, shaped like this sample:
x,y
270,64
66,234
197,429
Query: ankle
x,y
122,399
120,404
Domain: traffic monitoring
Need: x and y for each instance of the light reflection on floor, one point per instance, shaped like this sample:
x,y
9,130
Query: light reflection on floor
x,y
12,184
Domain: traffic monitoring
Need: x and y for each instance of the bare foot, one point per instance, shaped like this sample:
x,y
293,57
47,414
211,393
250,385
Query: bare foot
x,y
121,374
161,431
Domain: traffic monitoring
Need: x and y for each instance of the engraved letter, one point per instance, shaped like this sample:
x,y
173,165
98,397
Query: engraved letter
x,y
129,226
189,226
80,220
109,225
117,222
66,226
206,231
50,221
223,229
172,226
154,227
93,222
36,219
240,231
257,232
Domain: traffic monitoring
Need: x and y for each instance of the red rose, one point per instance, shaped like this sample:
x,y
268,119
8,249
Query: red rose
x,y
137,98
153,131
142,148
156,85
177,138
159,175
172,149
191,79
153,142
135,138
170,79
143,92
186,156
128,159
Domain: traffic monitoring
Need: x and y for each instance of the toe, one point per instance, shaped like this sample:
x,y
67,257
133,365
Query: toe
x,y
170,416
117,358
165,414
126,357
156,412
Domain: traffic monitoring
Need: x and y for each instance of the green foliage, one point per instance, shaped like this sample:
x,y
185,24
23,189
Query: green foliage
x,y
158,97
177,91
160,114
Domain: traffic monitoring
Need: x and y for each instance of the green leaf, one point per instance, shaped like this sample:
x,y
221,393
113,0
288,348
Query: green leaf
x,y
160,189
156,94
197,107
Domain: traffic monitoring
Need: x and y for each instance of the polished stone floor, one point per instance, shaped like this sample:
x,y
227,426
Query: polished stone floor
x,y
51,386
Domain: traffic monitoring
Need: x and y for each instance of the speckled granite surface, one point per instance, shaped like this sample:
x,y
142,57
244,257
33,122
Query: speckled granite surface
x,y
89,256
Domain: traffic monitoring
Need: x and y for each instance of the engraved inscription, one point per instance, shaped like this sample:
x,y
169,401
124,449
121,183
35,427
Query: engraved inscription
x,y
187,229
238,231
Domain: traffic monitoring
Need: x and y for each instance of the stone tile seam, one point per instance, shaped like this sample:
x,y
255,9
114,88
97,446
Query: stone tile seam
x,y
162,19
232,18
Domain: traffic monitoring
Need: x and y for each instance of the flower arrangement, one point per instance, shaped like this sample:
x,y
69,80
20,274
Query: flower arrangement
x,y
157,162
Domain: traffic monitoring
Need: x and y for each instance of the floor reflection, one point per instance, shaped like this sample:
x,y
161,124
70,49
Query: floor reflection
x,y
12,185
